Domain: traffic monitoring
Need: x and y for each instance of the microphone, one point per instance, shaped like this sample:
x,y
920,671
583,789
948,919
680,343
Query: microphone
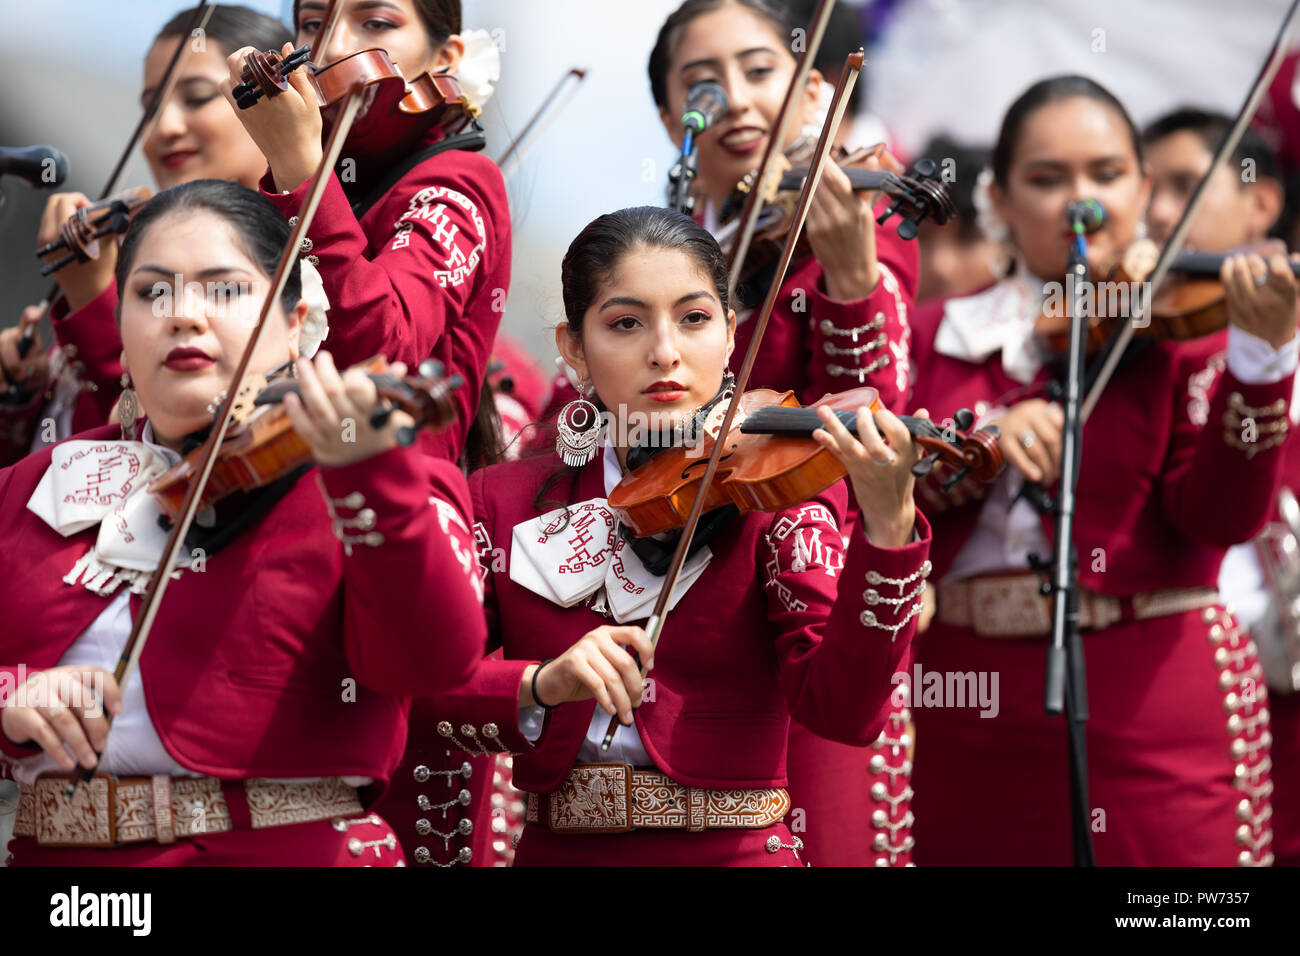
x,y
39,166
1085,215
705,104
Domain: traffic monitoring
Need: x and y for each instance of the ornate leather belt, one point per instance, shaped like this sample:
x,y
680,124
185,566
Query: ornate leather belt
x,y
109,811
615,798
1011,605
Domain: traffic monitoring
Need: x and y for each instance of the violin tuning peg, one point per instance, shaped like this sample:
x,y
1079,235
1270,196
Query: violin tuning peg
x,y
924,168
380,416
955,479
405,436
964,419
884,216
430,368
924,466
909,229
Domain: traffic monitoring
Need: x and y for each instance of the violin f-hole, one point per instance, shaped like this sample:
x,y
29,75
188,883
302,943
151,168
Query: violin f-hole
x,y
686,472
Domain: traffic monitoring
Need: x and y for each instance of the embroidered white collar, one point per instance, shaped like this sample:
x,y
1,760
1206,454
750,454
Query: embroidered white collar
x,y
585,558
105,483
999,319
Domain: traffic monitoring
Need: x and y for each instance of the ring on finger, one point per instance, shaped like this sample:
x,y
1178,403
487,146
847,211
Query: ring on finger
x,y
1028,438
55,711
1261,279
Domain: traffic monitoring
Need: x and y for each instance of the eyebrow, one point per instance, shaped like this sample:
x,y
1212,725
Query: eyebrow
x,y
637,303
713,62
364,5
205,274
1057,164
147,93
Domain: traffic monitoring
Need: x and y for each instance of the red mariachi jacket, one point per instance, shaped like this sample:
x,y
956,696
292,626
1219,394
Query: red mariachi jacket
x,y
792,640
247,665
815,345
423,273
1165,485
92,346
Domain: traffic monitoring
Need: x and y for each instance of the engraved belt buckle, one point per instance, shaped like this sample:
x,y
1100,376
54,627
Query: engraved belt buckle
x,y
88,819
593,799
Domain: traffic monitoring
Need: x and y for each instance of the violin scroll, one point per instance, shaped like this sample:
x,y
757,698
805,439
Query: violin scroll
x,y
264,74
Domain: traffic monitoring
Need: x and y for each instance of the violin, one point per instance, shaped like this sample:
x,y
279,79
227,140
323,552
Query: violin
x,y
395,114
261,445
1190,304
84,228
917,194
771,461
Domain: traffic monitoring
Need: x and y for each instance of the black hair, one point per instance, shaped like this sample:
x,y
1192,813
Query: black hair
x,y
441,18
232,27
967,163
596,252
1210,128
593,256
1054,89
670,34
846,31
259,226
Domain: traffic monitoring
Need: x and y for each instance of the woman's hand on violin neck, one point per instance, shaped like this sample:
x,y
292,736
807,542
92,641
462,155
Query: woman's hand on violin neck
x,y
842,232
1262,296
30,372
80,282
880,468
63,706
1031,438
286,128
600,665
332,412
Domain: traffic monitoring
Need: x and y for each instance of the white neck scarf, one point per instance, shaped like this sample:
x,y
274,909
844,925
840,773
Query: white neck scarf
x,y
999,319
589,559
105,483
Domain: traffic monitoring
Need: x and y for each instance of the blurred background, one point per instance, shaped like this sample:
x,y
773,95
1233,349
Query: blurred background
x,y
70,72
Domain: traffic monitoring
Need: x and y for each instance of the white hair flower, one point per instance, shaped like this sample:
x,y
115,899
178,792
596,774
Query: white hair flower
x,y
315,327
480,67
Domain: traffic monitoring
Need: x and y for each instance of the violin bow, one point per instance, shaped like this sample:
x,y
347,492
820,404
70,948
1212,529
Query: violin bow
x,y
143,623
551,107
328,23
198,21
1124,334
754,201
654,625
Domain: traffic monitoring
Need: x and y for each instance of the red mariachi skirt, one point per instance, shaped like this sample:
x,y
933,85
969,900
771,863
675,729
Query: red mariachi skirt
x,y
1286,777
769,846
1177,746
852,805
301,844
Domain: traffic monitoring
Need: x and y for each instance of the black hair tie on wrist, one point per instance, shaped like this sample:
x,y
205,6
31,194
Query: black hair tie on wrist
x,y
537,700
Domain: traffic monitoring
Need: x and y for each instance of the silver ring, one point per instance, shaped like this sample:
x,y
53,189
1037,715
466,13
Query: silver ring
x,y
1261,280
1028,439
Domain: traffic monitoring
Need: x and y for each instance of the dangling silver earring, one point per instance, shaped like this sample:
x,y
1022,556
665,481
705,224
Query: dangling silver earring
x,y
580,427
128,408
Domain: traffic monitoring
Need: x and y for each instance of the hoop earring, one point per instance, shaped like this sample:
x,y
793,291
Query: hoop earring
x,y
128,408
580,427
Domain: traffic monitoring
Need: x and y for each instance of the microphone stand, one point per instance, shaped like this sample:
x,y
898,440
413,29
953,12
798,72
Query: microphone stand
x,y
683,174
1066,682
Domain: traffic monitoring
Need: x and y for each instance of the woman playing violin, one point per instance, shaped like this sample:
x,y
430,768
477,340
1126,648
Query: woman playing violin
x,y
269,707
842,320
196,136
413,246
1179,148
1180,460
760,633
